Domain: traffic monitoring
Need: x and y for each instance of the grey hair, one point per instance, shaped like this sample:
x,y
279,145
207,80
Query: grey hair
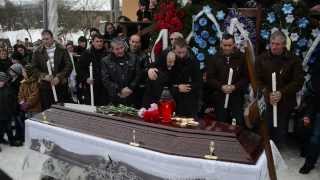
x,y
176,35
280,35
117,41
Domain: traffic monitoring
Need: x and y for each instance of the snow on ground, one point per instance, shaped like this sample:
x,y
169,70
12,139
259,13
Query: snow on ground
x,y
35,35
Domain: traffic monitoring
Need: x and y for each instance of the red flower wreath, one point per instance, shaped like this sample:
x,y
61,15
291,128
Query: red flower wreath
x,y
169,17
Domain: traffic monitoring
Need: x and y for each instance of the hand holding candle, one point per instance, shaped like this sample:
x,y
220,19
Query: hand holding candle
x,y
91,85
229,83
275,109
52,86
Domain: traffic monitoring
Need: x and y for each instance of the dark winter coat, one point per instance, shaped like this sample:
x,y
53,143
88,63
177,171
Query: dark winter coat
x,y
94,56
186,71
62,70
218,73
118,73
5,65
8,101
289,75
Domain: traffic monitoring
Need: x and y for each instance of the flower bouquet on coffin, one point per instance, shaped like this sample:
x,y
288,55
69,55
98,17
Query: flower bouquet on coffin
x,y
151,114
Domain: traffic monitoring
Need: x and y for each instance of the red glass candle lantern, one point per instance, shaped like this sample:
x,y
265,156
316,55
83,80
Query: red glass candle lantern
x,y
166,106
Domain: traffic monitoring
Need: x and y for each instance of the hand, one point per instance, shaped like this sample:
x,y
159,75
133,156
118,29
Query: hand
x,y
275,97
90,81
228,89
48,78
184,88
316,8
55,81
152,73
24,106
306,121
125,92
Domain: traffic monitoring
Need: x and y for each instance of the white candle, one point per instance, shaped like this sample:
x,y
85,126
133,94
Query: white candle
x,y
229,83
275,109
91,85
52,86
165,39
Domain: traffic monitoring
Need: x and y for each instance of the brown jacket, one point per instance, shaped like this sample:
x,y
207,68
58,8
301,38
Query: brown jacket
x,y
62,63
29,93
289,74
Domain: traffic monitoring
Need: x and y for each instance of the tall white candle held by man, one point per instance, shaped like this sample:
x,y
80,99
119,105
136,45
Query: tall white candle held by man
x,y
226,102
91,85
275,108
52,86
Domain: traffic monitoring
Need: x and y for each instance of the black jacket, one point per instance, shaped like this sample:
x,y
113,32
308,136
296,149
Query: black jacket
x,y
94,56
186,71
118,73
8,101
218,72
312,95
5,65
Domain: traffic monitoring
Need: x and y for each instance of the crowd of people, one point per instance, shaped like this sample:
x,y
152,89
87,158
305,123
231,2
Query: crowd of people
x,y
123,73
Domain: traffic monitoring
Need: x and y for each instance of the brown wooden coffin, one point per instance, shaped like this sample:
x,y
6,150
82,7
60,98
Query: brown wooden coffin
x,y
232,143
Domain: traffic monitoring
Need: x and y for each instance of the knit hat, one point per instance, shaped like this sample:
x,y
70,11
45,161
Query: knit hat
x,y
4,76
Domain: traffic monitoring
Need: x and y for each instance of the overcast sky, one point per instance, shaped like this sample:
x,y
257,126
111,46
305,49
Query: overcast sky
x,y
92,4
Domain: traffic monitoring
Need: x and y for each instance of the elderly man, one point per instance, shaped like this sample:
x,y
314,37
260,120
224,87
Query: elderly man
x,y
218,72
290,78
61,66
120,72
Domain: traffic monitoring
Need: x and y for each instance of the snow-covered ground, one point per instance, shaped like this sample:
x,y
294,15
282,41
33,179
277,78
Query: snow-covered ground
x,y
35,35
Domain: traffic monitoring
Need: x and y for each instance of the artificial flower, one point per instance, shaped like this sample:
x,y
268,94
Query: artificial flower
x,y
265,34
220,15
287,8
294,37
212,50
212,40
289,18
302,42
205,34
271,17
203,21
195,50
200,57
303,22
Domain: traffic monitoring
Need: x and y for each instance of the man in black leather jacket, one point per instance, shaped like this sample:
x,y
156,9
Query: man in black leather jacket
x,y
120,72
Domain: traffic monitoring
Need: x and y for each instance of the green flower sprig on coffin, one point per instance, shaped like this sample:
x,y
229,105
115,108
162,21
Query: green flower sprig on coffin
x,y
292,19
206,33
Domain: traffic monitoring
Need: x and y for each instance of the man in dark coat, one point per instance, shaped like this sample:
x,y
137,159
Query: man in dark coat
x,y
290,78
135,48
120,73
217,78
7,107
185,80
312,117
93,55
61,65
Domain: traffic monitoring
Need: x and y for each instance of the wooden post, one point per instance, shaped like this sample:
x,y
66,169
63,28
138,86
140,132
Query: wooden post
x,y
262,122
